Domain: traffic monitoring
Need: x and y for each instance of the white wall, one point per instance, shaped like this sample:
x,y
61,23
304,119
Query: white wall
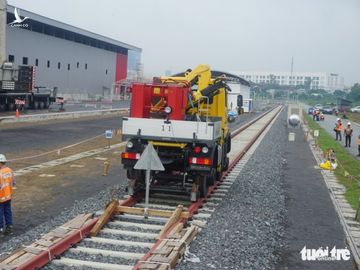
x,y
34,45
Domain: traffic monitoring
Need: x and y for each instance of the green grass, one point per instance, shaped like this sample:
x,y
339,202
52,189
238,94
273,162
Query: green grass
x,y
349,163
354,117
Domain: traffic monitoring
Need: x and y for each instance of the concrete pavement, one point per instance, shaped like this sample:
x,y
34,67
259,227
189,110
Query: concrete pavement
x,y
329,123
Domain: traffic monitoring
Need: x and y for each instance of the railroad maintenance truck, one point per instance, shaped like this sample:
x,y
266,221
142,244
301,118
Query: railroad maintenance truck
x,y
184,117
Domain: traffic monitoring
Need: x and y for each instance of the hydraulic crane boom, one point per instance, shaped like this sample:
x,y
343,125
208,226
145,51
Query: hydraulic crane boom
x,y
185,118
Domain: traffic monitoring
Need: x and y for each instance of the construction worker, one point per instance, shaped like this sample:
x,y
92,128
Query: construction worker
x,y
7,182
338,129
359,146
348,133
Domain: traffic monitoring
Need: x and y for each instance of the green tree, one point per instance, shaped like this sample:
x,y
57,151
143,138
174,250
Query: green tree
x,y
339,94
354,94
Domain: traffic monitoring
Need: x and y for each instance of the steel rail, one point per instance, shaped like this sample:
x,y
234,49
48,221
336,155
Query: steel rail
x,y
194,207
66,243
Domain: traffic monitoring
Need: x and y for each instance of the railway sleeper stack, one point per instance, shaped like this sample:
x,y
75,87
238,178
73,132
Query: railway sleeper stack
x,y
170,250
170,240
45,243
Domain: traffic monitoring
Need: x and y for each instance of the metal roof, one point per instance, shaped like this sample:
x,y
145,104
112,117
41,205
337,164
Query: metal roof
x,y
47,21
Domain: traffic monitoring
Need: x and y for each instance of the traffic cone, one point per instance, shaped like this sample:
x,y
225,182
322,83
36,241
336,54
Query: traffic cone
x,y
17,114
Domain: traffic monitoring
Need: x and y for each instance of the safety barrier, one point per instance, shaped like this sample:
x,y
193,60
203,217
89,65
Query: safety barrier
x,y
61,115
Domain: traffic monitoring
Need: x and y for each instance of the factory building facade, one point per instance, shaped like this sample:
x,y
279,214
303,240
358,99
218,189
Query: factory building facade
x,y
316,80
74,60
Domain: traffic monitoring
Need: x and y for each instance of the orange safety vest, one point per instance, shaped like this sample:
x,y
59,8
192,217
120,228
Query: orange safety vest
x,y
6,184
339,127
358,141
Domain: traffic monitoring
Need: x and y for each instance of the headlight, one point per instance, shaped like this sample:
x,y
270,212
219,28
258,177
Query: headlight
x,y
129,144
205,150
168,109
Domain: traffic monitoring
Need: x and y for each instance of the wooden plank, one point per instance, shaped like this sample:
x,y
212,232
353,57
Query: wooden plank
x,y
33,250
7,267
190,234
78,221
60,232
149,266
175,244
174,236
177,228
172,220
13,256
108,213
173,258
160,259
164,267
151,212
22,259
154,266
44,243
162,251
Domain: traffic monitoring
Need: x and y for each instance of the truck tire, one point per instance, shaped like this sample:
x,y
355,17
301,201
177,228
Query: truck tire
x,y
210,179
226,164
36,105
2,107
203,188
228,143
41,105
11,106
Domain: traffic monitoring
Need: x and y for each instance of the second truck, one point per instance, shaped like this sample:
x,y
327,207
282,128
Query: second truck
x,y
185,118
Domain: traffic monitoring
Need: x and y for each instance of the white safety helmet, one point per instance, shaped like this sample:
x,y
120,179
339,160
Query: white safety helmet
x,y
2,158
338,119
349,124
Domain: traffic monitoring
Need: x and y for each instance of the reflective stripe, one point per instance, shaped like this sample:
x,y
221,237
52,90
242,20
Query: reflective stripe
x,y
4,199
6,184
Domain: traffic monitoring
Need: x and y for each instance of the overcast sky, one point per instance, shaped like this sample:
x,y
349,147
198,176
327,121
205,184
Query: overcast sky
x,y
230,35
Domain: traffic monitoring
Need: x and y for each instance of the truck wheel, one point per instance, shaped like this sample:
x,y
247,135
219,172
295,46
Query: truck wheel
x,y
11,106
47,104
203,188
228,143
210,179
36,105
2,107
41,105
226,164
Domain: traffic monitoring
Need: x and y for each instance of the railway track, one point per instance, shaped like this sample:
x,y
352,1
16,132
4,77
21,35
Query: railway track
x,y
121,238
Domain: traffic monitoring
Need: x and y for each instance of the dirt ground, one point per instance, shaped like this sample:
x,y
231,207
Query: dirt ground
x,y
98,142
37,199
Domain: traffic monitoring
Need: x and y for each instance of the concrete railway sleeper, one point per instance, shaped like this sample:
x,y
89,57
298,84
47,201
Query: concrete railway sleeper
x,y
121,238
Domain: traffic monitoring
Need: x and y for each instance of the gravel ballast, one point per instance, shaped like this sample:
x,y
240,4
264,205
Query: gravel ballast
x,y
90,205
246,229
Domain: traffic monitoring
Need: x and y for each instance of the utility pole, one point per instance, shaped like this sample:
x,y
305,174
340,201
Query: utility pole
x,y
2,31
291,75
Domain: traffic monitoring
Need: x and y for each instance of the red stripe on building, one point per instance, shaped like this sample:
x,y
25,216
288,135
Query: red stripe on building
x,y
121,67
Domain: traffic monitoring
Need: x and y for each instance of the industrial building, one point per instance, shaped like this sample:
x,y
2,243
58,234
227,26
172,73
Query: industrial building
x,y
76,61
316,80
